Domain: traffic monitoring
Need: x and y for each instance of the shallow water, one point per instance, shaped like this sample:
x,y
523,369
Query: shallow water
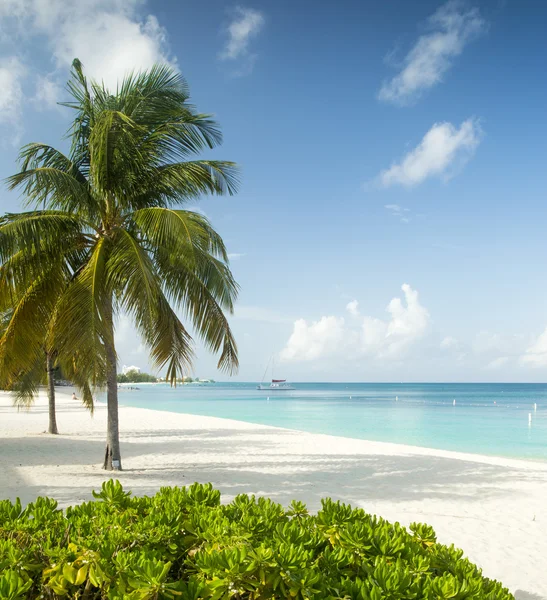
x,y
487,418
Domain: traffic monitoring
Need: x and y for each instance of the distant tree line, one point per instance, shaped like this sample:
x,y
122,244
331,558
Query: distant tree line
x,y
196,380
136,377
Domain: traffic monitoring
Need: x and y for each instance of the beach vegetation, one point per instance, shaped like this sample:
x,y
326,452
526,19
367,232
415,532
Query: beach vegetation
x,y
134,376
105,232
183,543
25,366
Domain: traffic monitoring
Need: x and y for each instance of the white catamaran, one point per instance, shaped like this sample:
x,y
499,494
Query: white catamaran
x,y
277,385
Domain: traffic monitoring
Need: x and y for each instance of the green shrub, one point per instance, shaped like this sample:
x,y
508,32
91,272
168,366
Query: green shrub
x,y
136,377
184,544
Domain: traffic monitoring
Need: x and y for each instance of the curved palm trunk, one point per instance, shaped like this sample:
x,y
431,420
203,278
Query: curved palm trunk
x,y
112,455
51,394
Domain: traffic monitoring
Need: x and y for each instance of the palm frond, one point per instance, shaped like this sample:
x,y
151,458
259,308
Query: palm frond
x,y
74,371
134,274
203,291
181,232
180,182
184,247
22,342
26,387
39,232
151,97
23,267
48,178
115,154
170,343
83,104
79,326
183,134
43,155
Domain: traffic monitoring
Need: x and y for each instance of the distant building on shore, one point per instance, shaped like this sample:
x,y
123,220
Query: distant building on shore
x,y
126,369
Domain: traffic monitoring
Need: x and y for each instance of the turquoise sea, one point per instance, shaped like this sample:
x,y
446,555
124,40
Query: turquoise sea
x,y
487,418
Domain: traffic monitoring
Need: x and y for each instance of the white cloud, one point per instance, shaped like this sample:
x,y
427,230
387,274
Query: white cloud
x,y
316,340
353,308
110,37
536,353
111,45
408,323
381,339
443,148
48,93
245,26
236,255
12,73
452,28
449,342
373,335
497,363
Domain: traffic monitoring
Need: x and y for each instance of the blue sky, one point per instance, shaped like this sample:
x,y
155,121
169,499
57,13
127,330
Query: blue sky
x,y
391,219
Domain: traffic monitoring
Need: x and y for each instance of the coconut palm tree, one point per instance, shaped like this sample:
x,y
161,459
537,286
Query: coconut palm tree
x,y
109,207
23,369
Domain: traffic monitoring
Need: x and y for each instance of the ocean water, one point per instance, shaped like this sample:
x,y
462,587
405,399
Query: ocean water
x,y
493,419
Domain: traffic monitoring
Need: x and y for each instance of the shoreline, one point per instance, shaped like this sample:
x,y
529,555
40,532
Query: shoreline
x,y
408,448
492,507
477,456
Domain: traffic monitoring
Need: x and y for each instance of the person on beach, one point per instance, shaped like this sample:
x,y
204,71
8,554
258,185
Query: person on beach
x,y
74,397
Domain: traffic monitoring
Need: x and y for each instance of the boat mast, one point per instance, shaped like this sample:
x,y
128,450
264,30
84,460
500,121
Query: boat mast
x,y
266,370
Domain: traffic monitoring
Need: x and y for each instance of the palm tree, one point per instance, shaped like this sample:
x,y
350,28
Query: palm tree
x,y
36,363
109,207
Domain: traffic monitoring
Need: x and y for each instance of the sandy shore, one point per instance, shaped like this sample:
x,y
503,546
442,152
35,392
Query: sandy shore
x,y
493,508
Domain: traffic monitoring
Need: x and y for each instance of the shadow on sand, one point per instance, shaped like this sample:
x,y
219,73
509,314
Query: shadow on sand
x,y
236,461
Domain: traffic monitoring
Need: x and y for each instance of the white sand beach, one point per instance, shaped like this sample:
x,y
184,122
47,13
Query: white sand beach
x,y
493,508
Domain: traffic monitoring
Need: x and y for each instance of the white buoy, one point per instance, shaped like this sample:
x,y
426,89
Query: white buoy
x,y
454,403
396,398
535,407
350,397
529,418
268,399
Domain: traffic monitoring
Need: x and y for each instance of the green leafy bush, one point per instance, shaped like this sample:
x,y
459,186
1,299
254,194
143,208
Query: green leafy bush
x,y
136,377
184,544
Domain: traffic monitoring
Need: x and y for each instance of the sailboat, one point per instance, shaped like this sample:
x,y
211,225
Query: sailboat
x,y
276,385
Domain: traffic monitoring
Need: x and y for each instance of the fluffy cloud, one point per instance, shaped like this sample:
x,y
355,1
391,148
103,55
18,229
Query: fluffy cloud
x,y
110,37
12,73
452,28
316,340
383,339
442,149
245,26
353,308
449,342
536,353
407,324
48,93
